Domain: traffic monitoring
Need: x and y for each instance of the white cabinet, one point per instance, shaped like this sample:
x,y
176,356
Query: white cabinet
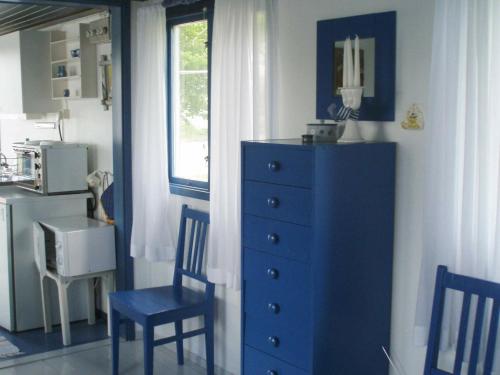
x,y
73,64
25,85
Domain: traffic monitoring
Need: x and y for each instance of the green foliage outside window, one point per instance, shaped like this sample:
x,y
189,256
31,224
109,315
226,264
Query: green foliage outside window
x,y
194,78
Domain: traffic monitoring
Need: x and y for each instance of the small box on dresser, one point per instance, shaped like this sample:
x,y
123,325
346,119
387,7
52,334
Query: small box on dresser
x,y
317,243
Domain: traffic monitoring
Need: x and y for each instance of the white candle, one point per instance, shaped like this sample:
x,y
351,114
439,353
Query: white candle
x,y
344,65
357,75
349,63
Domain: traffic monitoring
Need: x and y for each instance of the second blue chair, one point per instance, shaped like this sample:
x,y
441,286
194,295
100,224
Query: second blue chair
x,y
469,286
171,304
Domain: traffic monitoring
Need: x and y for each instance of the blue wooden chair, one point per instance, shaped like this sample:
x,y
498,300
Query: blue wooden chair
x,y
469,286
171,304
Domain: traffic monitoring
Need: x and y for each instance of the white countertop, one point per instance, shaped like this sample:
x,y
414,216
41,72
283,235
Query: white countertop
x,y
12,194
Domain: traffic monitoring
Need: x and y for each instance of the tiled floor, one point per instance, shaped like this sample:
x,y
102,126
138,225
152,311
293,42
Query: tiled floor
x,y
97,361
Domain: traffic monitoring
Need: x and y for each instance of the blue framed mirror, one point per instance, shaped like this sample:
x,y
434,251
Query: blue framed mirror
x,y
377,33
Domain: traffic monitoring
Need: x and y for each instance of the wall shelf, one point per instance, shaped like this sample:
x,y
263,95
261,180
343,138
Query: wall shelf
x,y
69,40
70,60
81,71
66,78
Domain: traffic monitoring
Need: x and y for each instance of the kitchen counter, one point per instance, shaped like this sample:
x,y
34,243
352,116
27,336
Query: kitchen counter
x,y
13,194
6,180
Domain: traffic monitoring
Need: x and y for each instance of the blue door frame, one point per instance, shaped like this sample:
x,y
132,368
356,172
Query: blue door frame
x,y
122,131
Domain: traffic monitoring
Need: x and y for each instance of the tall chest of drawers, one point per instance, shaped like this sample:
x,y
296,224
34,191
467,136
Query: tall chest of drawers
x,y
317,240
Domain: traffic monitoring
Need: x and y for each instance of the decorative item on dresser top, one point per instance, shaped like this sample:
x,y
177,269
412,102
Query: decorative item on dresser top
x,y
352,92
317,224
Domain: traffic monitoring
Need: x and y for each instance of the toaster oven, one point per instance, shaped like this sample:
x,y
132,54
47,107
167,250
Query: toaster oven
x,y
51,167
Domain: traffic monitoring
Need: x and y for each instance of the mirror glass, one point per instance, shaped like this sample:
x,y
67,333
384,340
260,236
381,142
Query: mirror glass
x,y
366,62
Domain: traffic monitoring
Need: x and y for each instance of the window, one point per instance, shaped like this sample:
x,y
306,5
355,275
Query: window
x,y
189,102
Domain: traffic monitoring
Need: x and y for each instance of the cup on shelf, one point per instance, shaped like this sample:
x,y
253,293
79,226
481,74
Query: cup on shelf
x,y
61,71
66,93
75,52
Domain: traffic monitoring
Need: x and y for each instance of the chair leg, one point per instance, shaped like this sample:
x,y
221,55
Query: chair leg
x,y
62,288
115,338
148,348
109,286
179,341
209,343
90,302
47,313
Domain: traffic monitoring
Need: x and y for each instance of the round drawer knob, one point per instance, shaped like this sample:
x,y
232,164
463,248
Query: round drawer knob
x,y
273,273
273,238
274,308
273,202
274,341
272,372
273,166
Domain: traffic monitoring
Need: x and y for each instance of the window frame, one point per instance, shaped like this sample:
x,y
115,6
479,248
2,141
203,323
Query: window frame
x,y
177,16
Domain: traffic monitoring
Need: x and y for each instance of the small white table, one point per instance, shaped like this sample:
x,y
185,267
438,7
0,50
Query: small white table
x,y
63,283
82,249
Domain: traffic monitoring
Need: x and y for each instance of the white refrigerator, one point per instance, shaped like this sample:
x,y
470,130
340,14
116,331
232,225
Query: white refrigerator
x,y
20,295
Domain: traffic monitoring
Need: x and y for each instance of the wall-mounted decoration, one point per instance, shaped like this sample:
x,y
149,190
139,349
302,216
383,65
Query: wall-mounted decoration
x,y
377,41
414,118
106,67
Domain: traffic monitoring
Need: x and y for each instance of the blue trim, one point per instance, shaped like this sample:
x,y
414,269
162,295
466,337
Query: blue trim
x,y
180,186
382,26
191,192
122,131
122,148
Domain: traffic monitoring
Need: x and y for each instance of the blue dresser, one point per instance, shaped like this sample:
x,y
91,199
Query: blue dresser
x,y
318,226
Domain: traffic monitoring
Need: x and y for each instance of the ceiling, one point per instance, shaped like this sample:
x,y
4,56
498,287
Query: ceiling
x,y
15,17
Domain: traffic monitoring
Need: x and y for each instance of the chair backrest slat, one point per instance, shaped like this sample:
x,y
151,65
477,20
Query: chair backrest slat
x,y
193,265
476,339
462,334
202,252
492,337
196,248
470,286
191,242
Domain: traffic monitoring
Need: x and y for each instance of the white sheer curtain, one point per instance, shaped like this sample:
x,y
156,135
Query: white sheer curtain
x,y
243,50
462,196
151,234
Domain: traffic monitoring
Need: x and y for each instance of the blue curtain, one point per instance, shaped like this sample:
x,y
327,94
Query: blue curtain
x,y
173,3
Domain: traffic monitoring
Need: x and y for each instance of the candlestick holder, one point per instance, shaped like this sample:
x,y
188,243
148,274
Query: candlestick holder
x,y
351,98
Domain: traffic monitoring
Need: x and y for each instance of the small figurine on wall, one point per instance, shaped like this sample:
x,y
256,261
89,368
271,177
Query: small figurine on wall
x,y
414,118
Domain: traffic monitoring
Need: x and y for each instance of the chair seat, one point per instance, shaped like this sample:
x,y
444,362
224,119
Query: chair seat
x,y
159,301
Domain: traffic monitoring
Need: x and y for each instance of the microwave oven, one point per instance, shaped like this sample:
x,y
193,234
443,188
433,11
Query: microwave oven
x,y
75,245
51,167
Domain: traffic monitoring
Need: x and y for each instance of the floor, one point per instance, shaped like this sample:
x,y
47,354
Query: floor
x,y
96,360
36,341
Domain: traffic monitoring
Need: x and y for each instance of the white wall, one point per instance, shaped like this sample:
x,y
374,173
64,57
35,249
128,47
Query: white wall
x,y
296,107
297,95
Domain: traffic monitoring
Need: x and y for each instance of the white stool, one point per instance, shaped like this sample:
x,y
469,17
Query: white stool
x,y
63,283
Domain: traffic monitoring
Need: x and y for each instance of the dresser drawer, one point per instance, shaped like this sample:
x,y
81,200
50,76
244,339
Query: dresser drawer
x,y
278,202
276,299
279,165
258,363
276,237
280,282
285,343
